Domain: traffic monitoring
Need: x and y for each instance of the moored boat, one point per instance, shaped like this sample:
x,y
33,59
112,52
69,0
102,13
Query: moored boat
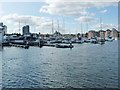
x,y
64,46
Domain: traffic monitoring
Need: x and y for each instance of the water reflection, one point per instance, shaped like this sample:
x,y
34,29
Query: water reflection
x,y
0,67
1,47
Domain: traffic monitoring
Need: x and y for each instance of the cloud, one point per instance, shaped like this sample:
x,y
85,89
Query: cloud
x,y
28,19
1,11
63,9
75,8
106,26
82,0
86,19
44,24
103,11
57,0
37,24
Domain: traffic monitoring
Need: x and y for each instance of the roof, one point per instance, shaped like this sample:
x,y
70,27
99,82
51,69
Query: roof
x,y
108,30
101,31
92,31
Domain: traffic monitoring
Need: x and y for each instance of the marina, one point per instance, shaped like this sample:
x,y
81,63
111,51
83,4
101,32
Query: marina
x,y
56,39
35,60
59,44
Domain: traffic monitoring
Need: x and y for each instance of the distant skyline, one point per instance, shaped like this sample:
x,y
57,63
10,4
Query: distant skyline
x,y
70,15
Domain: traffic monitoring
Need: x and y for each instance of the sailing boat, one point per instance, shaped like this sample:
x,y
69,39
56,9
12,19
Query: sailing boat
x,y
56,38
102,40
79,39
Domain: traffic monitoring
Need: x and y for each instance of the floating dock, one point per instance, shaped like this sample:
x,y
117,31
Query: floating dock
x,y
22,46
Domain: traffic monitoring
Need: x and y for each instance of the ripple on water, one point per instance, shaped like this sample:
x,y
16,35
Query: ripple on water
x,y
83,66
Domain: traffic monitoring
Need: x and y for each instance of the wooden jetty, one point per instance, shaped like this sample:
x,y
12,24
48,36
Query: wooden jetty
x,y
50,45
22,46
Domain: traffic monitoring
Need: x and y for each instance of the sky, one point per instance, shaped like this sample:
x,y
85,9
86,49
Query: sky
x,y
68,16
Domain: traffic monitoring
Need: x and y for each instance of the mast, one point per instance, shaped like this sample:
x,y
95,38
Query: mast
x,y
81,29
76,29
101,36
63,25
25,23
58,25
100,23
87,22
86,27
52,27
19,26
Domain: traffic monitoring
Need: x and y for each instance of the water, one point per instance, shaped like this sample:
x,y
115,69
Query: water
x,y
0,67
86,65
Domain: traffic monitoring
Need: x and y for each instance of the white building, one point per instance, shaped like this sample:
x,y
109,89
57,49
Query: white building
x,y
1,35
4,28
108,34
3,31
26,30
102,34
114,34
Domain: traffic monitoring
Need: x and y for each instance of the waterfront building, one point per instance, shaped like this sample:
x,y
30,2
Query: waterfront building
x,y
119,35
114,34
102,34
25,30
91,34
1,35
108,33
3,31
4,28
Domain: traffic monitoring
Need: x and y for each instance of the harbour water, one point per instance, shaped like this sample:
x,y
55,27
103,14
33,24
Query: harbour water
x,y
0,67
86,65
